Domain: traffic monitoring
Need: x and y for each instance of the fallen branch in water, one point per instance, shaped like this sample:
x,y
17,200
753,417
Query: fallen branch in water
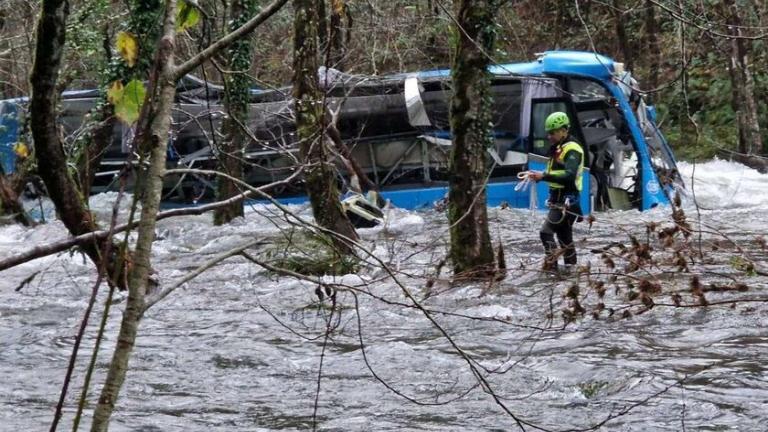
x,y
639,273
26,281
716,303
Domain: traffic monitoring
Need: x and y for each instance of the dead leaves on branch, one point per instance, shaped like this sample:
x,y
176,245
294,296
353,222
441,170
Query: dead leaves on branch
x,y
663,269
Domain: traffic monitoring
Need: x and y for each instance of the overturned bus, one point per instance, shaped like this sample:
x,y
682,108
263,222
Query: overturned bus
x,y
397,128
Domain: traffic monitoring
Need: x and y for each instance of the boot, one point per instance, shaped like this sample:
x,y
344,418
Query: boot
x,y
550,253
569,256
550,263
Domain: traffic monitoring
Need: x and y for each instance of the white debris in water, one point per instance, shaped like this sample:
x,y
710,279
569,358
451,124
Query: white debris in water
x,y
399,220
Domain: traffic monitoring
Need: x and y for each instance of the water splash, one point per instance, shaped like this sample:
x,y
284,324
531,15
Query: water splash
x,y
721,184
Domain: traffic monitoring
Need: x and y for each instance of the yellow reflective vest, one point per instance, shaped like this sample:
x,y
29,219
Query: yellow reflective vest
x,y
556,164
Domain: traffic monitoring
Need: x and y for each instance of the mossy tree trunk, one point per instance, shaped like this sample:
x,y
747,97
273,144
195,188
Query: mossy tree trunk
x,y
143,21
334,27
49,152
322,25
152,139
340,31
231,151
153,128
320,174
471,250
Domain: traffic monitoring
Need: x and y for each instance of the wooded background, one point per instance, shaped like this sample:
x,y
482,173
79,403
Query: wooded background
x,y
701,60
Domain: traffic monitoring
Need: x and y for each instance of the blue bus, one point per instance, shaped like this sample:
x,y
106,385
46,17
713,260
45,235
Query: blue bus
x,y
398,132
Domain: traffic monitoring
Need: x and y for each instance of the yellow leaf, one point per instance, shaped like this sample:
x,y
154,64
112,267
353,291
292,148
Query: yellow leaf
x,y
21,150
339,7
115,92
128,47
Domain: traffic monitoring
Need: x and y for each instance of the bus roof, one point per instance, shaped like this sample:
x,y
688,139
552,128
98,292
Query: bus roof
x,y
581,63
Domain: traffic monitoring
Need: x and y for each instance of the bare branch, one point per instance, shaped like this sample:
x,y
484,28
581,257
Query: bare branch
x,y
200,270
227,40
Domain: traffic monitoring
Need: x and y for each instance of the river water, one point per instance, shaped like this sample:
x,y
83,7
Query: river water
x,y
239,349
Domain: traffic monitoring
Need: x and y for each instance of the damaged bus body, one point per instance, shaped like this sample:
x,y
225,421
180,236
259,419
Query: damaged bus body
x,y
397,128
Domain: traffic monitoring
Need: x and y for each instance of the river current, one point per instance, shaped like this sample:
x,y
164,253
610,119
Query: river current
x,y
239,349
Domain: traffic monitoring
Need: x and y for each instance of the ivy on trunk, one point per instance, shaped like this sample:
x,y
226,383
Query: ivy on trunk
x,y
320,174
238,84
471,250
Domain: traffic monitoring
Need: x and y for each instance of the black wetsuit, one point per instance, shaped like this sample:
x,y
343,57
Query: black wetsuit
x,y
563,172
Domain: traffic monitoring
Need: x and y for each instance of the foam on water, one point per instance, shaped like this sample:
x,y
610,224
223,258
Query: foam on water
x,y
720,184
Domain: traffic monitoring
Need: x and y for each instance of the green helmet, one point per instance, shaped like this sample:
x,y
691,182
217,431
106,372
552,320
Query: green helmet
x,y
557,120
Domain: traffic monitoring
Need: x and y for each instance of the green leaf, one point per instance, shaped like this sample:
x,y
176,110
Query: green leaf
x,y
187,16
127,108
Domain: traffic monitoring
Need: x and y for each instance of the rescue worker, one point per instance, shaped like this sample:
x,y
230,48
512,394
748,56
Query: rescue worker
x,y
564,175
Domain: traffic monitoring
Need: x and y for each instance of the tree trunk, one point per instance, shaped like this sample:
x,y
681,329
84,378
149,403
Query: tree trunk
x,y
231,151
6,87
51,161
320,178
621,33
152,137
688,126
652,43
736,100
471,250
745,106
340,27
560,19
10,204
322,25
